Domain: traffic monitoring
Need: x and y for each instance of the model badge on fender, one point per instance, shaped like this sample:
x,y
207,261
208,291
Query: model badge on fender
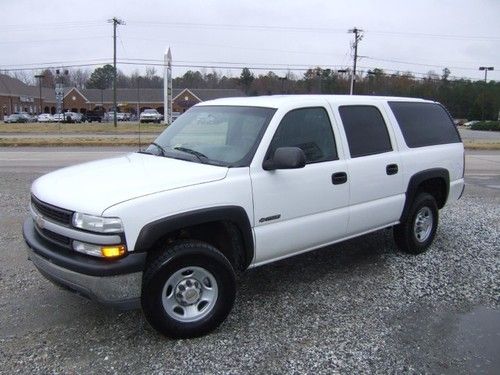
x,y
269,218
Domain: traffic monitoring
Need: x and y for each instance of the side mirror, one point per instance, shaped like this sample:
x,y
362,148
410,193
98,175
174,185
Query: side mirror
x,y
286,158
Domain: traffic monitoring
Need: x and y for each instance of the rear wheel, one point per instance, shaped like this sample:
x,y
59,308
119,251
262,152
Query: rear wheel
x,y
188,290
417,232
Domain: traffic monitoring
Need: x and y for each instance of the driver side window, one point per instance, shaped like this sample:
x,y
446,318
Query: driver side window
x,y
310,130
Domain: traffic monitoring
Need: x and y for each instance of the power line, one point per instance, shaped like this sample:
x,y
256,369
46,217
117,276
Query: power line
x,y
418,64
307,29
53,40
214,65
426,35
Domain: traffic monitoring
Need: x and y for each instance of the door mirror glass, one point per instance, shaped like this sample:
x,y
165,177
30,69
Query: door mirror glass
x,y
286,158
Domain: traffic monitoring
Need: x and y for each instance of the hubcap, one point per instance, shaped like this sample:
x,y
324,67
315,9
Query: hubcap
x,y
189,294
422,227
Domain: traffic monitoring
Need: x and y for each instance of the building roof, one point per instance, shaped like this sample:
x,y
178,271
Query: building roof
x,y
154,95
13,86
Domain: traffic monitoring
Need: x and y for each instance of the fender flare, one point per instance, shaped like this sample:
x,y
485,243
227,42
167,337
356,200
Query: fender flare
x,y
415,182
237,215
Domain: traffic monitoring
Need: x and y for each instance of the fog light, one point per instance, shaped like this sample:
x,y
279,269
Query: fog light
x,y
104,251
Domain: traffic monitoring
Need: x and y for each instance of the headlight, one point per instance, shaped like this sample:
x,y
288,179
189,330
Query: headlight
x,y
97,223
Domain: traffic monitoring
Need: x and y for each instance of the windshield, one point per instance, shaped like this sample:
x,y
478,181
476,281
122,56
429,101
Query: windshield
x,y
219,135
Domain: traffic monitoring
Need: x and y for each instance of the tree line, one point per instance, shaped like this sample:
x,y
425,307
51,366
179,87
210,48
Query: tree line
x,y
464,98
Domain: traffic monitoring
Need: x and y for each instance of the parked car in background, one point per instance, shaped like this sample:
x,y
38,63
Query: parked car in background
x,y
45,117
92,116
121,116
150,115
27,116
72,117
16,118
58,117
470,123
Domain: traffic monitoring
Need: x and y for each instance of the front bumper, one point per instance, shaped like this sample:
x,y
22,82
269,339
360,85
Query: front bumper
x,y
116,283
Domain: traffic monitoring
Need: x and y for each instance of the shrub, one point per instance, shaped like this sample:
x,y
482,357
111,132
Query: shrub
x,y
486,125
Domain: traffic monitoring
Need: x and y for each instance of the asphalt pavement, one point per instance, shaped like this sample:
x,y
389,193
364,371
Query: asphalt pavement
x,y
356,307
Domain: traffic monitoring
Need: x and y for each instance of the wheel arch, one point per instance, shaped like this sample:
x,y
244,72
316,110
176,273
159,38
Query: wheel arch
x,y
435,181
232,220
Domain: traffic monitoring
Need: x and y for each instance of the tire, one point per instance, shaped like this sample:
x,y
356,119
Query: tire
x,y
188,290
415,237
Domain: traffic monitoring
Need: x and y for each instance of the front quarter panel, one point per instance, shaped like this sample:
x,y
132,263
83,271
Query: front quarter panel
x,y
234,190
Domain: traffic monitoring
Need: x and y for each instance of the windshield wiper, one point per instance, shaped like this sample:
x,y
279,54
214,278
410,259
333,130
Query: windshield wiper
x,y
163,151
201,157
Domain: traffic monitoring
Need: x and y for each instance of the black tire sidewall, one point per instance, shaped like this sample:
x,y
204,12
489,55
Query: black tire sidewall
x,y
421,201
153,287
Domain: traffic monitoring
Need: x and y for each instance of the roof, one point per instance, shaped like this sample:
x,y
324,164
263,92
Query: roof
x,y
276,101
13,86
154,95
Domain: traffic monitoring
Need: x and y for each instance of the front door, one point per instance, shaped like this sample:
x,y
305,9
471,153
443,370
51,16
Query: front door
x,y
299,209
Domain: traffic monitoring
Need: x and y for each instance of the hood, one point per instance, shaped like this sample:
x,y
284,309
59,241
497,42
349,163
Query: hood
x,y
92,187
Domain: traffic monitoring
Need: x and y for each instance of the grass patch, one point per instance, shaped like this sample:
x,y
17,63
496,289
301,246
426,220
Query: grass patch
x,y
90,141
95,127
481,145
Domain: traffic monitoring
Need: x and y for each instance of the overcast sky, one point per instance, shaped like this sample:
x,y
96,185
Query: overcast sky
x,y
399,35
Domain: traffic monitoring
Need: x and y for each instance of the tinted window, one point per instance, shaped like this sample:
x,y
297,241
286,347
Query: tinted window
x,y
309,129
365,130
424,124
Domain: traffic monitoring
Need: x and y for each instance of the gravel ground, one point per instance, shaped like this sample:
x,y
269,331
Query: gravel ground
x,y
357,307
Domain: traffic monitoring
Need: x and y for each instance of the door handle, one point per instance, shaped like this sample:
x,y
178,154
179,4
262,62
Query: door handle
x,y
339,178
391,169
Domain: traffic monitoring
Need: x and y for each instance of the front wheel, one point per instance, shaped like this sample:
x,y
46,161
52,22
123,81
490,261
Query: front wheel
x,y
188,290
417,232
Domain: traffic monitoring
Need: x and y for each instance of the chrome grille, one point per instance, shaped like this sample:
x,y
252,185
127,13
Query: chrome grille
x,y
53,213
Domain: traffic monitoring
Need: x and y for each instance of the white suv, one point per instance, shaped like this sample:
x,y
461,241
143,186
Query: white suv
x,y
237,183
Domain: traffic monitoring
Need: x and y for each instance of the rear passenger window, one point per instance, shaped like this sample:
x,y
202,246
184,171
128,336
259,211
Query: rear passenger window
x,y
424,124
365,129
309,129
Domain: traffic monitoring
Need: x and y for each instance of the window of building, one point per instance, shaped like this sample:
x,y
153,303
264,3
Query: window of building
x,y
424,124
309,129
365,129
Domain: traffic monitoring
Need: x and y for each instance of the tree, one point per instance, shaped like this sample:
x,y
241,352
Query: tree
x,y
79,77
446,74
101,78
246,79
48,79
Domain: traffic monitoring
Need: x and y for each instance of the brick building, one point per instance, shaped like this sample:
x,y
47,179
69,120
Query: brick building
x,y
16,96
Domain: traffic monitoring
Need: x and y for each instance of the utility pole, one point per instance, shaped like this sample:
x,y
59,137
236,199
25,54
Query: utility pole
x,y
357,37
40,77
485,68
115,21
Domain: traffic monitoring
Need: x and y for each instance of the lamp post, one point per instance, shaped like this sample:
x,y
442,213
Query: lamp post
x,y
485,68
40,77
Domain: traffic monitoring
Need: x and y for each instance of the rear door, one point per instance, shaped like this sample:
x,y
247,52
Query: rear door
x,y
374,168
300,209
